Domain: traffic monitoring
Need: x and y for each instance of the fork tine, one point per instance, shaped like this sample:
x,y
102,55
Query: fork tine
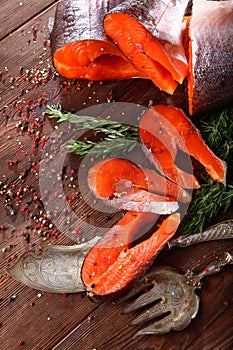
x,y
159,327
137,290
156,311
145,299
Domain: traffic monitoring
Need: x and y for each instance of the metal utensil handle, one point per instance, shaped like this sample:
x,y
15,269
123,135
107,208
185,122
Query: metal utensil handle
x,y
212,268
223,230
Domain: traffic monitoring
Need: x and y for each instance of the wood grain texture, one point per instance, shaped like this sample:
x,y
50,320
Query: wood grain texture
x,y
14,13
74,322
22,64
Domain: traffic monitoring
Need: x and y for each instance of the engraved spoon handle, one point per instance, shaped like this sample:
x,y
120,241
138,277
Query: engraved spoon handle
x,y
222,230
212,268
56,269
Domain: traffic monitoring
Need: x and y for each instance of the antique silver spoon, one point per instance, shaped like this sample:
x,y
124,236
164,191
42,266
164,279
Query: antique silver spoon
x,y
56,269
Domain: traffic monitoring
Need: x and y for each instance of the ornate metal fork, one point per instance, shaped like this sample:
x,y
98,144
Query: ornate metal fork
x,y
168,297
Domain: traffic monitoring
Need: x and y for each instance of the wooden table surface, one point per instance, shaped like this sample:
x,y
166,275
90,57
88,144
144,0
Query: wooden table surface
x,y
37,320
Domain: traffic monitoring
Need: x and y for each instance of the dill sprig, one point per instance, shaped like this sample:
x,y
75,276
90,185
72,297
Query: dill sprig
x,y
112,130
216,129
212,198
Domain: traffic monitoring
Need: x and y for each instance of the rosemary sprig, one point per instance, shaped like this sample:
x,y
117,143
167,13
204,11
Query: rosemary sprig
x,y
107,147
217,131
111,129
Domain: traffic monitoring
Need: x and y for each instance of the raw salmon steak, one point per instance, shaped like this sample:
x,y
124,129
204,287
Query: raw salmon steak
x,y
80,48
120,237
112,264
165,129
125,185
149,33
210,79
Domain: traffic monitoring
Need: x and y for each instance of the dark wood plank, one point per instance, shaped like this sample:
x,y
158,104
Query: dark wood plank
x,y
51,321
120,336
27,318
15,13
24,66
223,328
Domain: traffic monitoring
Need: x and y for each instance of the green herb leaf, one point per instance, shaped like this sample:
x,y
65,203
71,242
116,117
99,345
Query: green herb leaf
x,y
217,131
109,127
107,147
212,198
111,130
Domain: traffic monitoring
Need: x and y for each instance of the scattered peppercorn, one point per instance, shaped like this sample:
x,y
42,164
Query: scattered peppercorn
x,y
20,342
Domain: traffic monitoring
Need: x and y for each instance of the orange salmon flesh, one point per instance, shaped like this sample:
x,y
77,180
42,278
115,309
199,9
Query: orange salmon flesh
x,y
107,270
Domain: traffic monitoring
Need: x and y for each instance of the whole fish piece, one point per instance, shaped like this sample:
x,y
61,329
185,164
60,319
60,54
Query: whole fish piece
x,y
211,56
149,33
80,48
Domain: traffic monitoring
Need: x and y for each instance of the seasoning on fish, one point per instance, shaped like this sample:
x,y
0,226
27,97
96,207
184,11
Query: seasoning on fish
x,y
210,81
125,185
107,269
165,129
116,240
80,47
149,33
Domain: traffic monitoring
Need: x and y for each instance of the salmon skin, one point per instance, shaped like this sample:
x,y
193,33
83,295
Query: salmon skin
x,y
79,45
109,269
165,129
210,82
149,33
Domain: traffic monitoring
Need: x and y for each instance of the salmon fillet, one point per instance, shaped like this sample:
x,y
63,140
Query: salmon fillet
x,y
107,270
110,178
149,33
164,130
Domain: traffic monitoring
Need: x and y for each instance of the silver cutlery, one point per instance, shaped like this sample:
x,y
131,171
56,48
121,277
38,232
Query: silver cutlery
x,y
57,268
222,230
168,297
